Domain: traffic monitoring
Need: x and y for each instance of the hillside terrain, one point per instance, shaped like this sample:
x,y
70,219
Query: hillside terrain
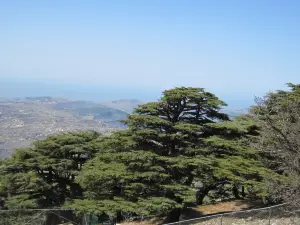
x,y
126,105
28,119
184,156
23,120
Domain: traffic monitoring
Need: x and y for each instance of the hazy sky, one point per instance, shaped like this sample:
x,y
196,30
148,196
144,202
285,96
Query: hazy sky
x,y
236,49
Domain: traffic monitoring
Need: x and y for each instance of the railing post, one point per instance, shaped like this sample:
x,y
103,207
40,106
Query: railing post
x,y
270,212
221,219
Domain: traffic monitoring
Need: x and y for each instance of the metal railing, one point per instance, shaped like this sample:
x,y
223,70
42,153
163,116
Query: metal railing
x,y
275,215
282,214
41,217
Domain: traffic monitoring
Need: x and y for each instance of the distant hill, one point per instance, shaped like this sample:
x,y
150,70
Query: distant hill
x,y
126,105
235,112
23,120
93,110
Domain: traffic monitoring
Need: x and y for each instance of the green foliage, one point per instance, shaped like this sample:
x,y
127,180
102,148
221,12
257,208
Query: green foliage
x,y
148,206
278,117
22,201
44,175
175,152
169,145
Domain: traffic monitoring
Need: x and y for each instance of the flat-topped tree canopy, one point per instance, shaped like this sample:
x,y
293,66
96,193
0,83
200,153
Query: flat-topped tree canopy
x,y
150,168
177,120
185,104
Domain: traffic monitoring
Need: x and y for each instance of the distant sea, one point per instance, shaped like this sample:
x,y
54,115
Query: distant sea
x,y
10,88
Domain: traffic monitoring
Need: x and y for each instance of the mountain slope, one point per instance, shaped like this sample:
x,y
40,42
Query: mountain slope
x,y
23,120
28,119
126,105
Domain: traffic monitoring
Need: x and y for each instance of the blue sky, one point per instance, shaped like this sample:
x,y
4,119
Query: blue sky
x,y
135,49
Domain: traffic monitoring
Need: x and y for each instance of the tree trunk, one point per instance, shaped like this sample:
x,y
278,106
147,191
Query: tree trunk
x,y
243,191
75,190
119,217
173,216
235,191
62,191
200,195
202,192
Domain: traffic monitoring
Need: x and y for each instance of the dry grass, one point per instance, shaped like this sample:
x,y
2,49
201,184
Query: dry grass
x,y
196,212
232,221
219,207
226,206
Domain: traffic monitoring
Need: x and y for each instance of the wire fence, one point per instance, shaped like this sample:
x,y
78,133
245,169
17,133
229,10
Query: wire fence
x,y
275,215
60,217
47,217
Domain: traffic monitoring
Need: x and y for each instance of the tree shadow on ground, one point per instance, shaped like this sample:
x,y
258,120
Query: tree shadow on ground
x,y
229,205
